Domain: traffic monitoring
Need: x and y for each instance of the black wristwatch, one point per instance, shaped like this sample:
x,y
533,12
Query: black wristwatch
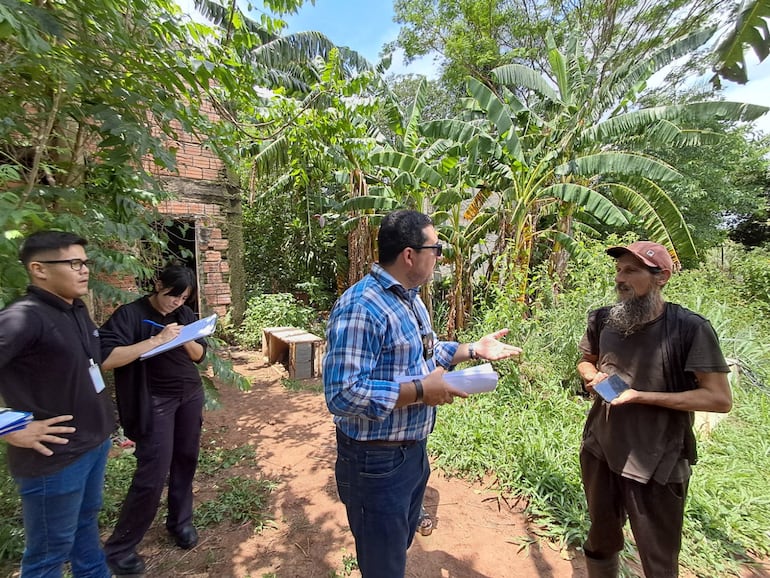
x,y
418,389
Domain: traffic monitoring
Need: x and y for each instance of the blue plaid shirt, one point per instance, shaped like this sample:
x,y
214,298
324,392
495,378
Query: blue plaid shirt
x,y
374,336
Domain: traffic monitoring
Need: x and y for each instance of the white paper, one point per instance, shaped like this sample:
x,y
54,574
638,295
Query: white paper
x,y
474,379
195,330
11,420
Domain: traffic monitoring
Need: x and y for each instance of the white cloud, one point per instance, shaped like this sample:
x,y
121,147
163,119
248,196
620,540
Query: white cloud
x,y
424,65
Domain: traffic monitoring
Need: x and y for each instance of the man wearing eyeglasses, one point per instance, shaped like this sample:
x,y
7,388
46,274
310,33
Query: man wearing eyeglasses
x,y
378,330
49,356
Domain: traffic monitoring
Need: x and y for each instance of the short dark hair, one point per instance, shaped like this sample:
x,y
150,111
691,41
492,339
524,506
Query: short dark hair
x,y
177,279
44,241
399,230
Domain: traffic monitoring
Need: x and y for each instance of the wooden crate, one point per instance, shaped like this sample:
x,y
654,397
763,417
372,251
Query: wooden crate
x,y
300,351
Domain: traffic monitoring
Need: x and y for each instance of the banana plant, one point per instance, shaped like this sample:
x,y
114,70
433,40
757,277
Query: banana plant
x,y
552,155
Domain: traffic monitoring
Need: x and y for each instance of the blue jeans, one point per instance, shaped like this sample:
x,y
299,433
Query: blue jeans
x,y
382,488
61,519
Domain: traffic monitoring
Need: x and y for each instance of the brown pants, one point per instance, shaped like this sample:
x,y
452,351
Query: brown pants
x,y
655,511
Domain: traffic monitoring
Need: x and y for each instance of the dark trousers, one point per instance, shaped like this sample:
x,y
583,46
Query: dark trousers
x,y
655,511
169,451
382,488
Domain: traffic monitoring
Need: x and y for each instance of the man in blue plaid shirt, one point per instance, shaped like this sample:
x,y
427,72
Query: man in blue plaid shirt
x,y
379,330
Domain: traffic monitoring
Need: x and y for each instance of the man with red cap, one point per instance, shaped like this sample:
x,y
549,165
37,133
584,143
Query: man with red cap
x,y
638,448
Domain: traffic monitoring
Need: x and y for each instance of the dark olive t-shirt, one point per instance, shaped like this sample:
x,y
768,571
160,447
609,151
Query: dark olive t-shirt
x,y
644,442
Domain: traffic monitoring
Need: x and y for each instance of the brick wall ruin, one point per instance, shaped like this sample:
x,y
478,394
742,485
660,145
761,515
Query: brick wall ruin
x,y
203,198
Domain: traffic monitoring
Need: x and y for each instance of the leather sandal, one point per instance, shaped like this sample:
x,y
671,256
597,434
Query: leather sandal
x,y
425,525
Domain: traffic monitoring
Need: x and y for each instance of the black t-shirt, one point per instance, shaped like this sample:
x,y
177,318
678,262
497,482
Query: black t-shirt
x,y
45,348
169,374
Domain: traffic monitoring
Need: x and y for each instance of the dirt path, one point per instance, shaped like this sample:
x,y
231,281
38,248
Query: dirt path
x,y
476,534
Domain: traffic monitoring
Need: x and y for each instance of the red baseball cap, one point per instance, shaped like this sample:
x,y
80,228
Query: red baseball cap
x,y
649,253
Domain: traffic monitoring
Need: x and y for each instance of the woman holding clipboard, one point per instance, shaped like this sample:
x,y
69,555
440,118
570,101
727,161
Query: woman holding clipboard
x,y
160,402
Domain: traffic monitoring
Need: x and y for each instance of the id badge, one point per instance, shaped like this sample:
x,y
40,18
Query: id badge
x,y
96,376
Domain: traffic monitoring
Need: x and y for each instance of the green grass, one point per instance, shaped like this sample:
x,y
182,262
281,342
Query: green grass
x,y
299,385
213,458
11,522
729,505
239,500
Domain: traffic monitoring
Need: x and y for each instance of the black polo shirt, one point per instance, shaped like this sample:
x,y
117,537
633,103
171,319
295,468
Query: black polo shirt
x,y
45,348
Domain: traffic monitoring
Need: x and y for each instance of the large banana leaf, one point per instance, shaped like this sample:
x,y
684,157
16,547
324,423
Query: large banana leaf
x,y
588,200
518,75
452,129
620,163
657,214
751,27
498,115
665,132
409,164
634,122
411,132
558,65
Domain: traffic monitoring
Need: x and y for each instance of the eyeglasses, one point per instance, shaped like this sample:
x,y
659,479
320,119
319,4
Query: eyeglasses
x,y
75,264
438,247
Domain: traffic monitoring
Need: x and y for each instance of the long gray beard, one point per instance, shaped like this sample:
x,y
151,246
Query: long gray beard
x,y
627,317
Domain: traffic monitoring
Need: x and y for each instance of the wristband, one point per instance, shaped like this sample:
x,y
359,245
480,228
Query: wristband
x,y
472,351
418,390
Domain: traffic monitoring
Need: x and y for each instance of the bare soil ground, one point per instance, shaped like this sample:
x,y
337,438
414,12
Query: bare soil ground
x,y
477,533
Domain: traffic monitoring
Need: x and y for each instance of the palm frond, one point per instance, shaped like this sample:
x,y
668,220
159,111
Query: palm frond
x,y
224,17
627,78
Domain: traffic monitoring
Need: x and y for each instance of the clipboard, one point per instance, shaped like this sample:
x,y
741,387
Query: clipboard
x,y
201,328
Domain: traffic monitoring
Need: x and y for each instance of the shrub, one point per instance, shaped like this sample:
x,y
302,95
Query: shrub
x,y
274,310
752,271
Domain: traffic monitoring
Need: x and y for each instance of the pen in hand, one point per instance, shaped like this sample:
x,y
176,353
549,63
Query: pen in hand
x,y
149,322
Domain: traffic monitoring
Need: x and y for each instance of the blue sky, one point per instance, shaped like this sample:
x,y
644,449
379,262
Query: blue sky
x,y
366,25
363,25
